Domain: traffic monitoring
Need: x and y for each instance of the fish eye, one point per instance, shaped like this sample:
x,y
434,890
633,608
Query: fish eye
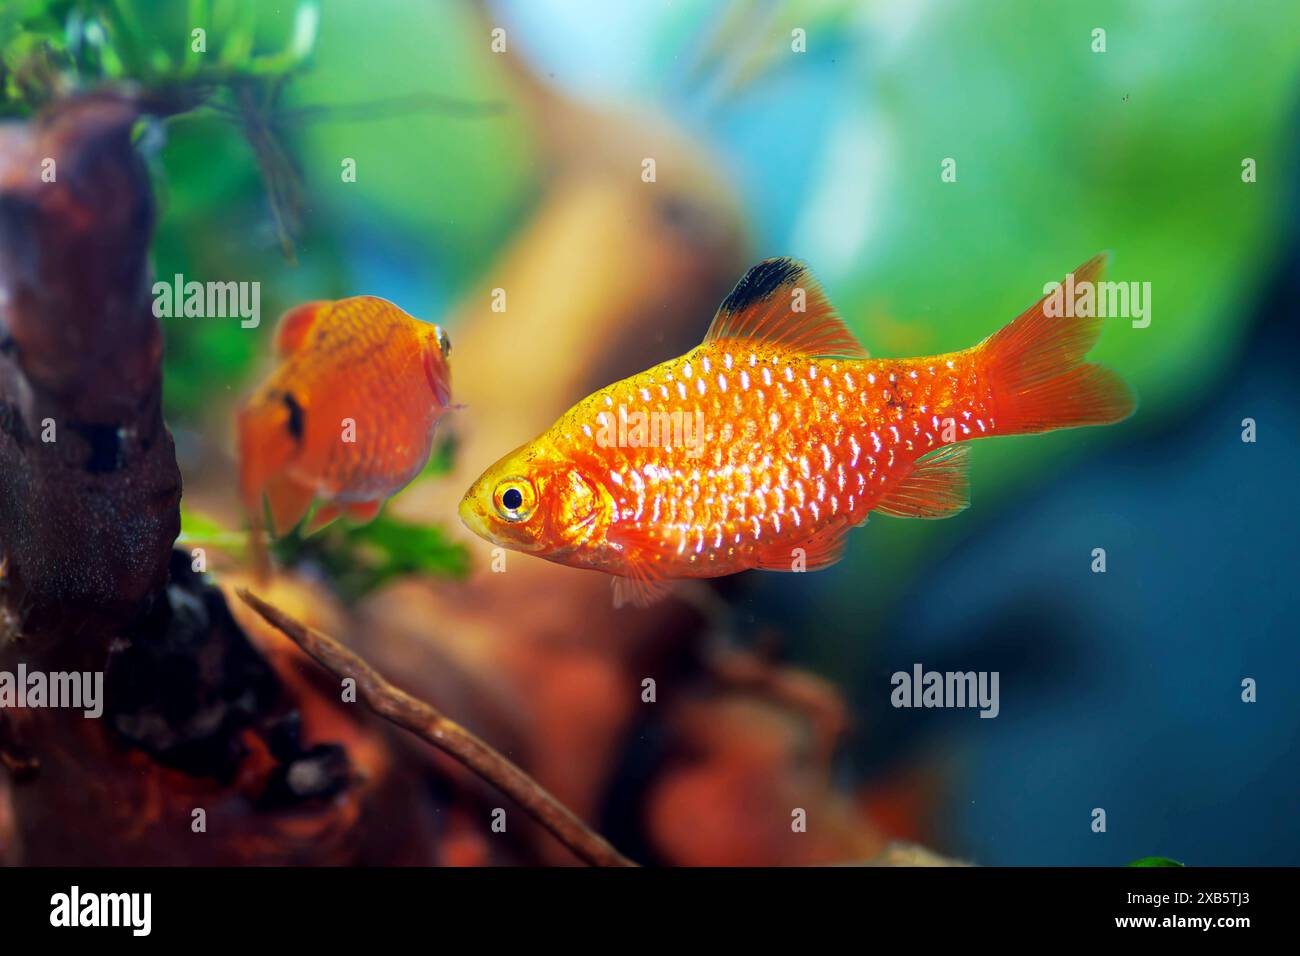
x,y
514,499
444,341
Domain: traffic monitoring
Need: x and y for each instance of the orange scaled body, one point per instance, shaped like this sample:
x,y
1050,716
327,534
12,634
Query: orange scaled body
x,y
348,417
762,447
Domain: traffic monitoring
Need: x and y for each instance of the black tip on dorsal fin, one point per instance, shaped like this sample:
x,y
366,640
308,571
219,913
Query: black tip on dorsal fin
x,y
778,303
760,282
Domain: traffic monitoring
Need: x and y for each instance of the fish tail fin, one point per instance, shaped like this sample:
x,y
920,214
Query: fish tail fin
x,y
1039,379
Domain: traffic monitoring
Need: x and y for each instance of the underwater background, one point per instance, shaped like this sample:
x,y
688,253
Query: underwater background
x,y
1120,690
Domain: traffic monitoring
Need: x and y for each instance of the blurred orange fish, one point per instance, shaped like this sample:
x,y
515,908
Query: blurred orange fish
x,y
763,446
348,417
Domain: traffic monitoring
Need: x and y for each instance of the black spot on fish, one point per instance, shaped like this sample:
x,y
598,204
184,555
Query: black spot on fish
x,y
295,416
760,282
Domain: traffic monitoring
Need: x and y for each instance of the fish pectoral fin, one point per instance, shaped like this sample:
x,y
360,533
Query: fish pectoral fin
x,y
288,502
779,303
820,550
641,583
291,332
939,486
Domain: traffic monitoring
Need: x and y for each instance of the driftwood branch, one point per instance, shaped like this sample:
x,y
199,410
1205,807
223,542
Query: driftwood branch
x,y
446,735
89,509
89,487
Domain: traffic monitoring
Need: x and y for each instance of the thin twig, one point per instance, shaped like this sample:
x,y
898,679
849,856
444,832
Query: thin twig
x,y
448,736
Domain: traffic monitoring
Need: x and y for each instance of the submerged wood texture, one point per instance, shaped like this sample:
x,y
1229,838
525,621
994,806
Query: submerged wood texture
x,y
210,748
89,486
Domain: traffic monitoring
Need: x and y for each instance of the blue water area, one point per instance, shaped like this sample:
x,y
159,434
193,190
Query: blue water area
x,y
1123,690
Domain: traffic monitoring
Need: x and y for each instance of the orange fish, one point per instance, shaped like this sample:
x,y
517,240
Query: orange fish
x,y
764,445
348,417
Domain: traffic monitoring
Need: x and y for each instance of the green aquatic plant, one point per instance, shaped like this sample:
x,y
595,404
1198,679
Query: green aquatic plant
x,y
201,530
358,559
1155,861
354,559
185,53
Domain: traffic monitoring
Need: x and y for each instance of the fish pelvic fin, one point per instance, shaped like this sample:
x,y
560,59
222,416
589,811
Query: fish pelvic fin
x,y
361,513
288,503
938,487
325,515
639,590
1039,380
778,303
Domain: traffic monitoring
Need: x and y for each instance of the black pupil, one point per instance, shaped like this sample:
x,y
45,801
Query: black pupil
x,y
512,499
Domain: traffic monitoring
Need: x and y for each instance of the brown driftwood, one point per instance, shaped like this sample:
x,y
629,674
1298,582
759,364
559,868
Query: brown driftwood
x,y
285,772
434,727
195,716
198,717
89,488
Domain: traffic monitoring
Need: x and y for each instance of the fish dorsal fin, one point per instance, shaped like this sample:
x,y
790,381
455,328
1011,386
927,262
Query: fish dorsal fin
x,y
779,303
291,333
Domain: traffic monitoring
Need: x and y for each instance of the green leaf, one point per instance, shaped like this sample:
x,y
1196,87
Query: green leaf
x,y
199,529
359,559
1155,861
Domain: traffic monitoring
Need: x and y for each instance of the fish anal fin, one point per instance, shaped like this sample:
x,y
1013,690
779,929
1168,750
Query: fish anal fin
x,y
294,326
938,487
779,304
820,550
364,512
288,502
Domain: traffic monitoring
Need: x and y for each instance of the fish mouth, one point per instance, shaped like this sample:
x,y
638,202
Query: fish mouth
x,y
472,517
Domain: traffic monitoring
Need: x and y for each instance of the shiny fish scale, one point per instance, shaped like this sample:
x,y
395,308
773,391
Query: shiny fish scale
x,y
791,445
